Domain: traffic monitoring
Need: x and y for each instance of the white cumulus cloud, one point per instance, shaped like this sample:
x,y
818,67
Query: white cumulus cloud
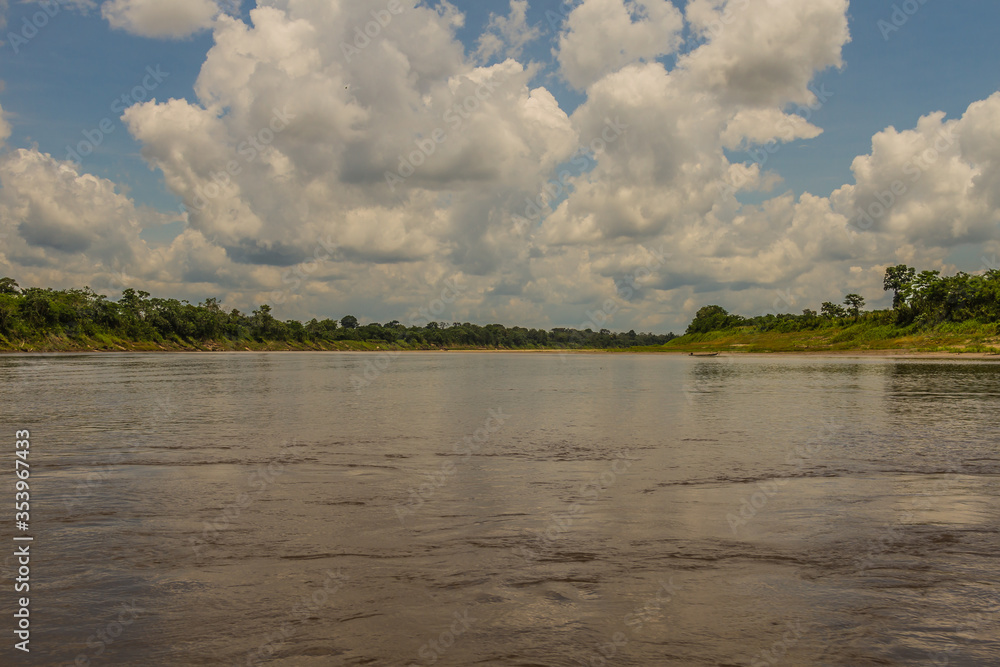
x,y
508,34
601,36
162,19
403,159
58,222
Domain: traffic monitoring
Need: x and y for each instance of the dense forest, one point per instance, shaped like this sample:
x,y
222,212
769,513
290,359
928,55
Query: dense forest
x,y
80,319
920,301
79,315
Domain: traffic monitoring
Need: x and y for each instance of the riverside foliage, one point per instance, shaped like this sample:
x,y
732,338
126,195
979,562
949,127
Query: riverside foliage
x,y
81,316
921,301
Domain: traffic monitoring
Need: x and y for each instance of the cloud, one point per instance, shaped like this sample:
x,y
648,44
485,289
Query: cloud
x,y
59,221
403,159
507,35
760,126
416,159
345,122
601,36
765,53
4,127
936,185
159,19
664,178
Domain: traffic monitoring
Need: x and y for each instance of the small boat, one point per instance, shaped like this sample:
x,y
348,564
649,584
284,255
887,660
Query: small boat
x,y
703,354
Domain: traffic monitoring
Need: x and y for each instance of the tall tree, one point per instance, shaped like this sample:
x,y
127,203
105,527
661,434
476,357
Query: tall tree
x,y
899,278
854,303
832,310
8,286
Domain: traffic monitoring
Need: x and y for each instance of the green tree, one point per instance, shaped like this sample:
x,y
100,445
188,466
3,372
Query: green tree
x,y
925,282
210,319
898,279
37,309
8,286
263,325
8,313
712,318
832,310
349,322
854,303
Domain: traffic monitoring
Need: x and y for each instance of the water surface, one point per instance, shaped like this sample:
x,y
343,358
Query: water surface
x,y
509,509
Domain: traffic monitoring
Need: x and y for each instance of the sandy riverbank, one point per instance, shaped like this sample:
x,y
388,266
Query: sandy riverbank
x,y
889,354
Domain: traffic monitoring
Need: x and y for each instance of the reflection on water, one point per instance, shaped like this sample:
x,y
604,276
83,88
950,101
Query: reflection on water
x,y
510,509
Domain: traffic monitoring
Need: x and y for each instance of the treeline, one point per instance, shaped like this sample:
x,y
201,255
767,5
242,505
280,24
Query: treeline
x,y
33,314
920,301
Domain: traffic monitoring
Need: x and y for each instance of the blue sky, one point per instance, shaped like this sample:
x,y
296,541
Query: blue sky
x,y
61,84
945,57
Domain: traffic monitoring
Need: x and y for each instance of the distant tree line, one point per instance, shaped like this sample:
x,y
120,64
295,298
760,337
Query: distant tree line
x,y
35,313
920,300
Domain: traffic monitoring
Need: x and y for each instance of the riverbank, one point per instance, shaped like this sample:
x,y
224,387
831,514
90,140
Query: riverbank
x,y
893,354
841,340
108,344
829,341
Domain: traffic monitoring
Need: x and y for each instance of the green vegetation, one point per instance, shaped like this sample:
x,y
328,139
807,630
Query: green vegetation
x,y
36,319
930,312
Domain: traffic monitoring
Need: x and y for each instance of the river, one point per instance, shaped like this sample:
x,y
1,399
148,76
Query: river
x,y
507,509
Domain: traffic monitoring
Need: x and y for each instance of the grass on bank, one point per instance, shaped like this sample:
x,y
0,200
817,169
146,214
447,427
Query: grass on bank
x,y
953,337
949,337
106,343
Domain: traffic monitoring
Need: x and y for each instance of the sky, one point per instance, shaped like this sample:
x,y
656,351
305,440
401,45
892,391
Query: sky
x,y
591,163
